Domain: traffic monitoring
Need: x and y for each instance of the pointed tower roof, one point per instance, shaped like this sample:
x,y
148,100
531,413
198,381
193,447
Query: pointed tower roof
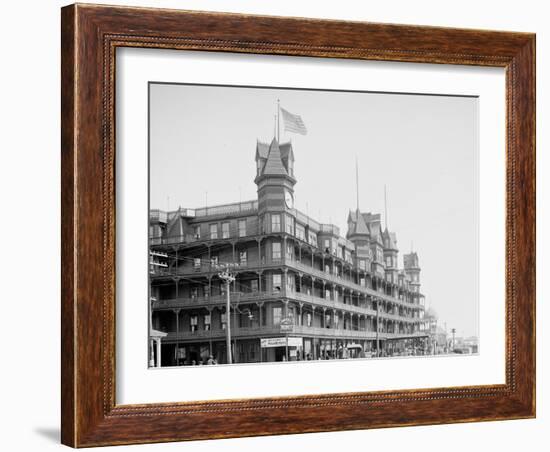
x,y
360,224
390,239
274,164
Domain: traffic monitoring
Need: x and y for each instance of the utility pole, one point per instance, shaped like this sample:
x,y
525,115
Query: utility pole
x,y
228,278
377,329
453,330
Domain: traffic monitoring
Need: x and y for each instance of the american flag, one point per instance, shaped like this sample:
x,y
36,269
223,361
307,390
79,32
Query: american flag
x,y
293,123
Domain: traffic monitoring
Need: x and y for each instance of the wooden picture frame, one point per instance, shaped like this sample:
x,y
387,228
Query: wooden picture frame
x,y
90,35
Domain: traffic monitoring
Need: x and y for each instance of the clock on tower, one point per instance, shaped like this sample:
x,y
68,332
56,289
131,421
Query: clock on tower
x,y
289,199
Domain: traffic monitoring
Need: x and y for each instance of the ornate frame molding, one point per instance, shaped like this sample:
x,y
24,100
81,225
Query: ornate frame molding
x,y
90,37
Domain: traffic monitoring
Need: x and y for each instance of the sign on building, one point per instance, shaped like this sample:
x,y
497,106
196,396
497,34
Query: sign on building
x,y
281,342
287,325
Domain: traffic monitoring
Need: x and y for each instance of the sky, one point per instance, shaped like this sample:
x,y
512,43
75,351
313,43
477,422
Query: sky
x,y
423,148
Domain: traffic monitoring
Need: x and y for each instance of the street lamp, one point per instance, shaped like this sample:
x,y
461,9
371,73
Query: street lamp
x,y
228,278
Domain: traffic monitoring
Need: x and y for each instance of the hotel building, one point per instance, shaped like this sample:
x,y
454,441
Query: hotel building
x,y
301,289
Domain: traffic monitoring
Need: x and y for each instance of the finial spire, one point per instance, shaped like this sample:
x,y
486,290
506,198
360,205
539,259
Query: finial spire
x,y
357,181
385,207
278,121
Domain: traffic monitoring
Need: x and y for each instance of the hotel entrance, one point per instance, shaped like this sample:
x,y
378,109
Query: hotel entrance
x,y
276,349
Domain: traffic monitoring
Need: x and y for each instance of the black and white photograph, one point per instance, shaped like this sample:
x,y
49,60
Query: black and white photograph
x,y
290,225
275,226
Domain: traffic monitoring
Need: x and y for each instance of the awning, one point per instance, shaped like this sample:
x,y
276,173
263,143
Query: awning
x,y
156,334
353,346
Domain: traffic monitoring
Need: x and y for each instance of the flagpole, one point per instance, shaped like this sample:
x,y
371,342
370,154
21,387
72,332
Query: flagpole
x,y
357,181
385,207
278,121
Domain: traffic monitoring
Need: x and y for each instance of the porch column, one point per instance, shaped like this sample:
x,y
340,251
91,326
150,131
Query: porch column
x,y
260,304
151,352
158,352
177,312
210,309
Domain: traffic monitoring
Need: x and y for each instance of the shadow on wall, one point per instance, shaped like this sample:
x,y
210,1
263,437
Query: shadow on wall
x,y
50,433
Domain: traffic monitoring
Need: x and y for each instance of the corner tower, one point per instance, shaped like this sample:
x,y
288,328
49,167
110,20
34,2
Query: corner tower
x,y
390,255
412,270
274,178
359,235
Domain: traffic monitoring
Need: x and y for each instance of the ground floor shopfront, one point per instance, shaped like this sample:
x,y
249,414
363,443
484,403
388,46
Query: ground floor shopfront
x,y
285,348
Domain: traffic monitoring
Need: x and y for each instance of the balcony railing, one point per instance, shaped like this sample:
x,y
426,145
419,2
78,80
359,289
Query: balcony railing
x,y
244,297
345,282
215,300
227,209
251,265
331,304
185,239
157,215
299,330
307,220
331,229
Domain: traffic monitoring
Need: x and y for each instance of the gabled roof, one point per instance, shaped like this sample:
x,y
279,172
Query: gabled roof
x,y
286,151
375,228
274,164
175,226
390,240
262,150
262,153
393,240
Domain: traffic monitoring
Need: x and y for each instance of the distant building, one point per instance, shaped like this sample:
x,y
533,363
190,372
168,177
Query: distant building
x,y
337,297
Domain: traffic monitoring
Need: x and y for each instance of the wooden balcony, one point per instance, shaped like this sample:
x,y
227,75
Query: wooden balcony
x,y
254,297
299,330
206,269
